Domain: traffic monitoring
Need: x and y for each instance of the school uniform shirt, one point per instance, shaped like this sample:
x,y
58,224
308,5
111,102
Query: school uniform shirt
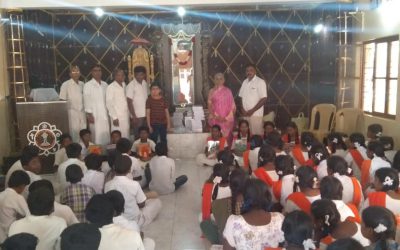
x,y
162,171
343,210
252,92
390,155
253,158
12,207
118,107
85,151
125,223
65,212
340,152
47,228
138,143
290,206
377,163
223,192
33,177
287,187
348,188
63,168
94,97
114,237
132,192
280,153
136,169
16,166
138,93
296,162
322,169
352,164
60,156
95,180
72,92
391,204
76,196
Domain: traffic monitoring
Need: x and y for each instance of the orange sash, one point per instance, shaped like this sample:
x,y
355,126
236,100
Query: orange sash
x,y
246,161
377,199
222,142
277,189
206,200
298,155
301,201
310,163
357,217
264,176
357,157
365,167
356,192
328,240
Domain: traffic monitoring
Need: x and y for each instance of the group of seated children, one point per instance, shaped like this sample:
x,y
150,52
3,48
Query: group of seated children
x,y
301,194
101,194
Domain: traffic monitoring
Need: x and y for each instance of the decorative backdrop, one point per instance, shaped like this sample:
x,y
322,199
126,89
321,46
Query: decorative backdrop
x,y
298,65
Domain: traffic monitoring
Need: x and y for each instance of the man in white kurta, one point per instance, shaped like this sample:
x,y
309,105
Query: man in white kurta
x,y
137,92
72,92
253,94
117,104
94,98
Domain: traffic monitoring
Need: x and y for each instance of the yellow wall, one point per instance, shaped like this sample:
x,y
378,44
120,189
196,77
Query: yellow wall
x,y
4,121
378,24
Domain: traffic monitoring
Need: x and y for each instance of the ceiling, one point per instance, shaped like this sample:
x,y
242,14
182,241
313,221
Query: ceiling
x,y
57,4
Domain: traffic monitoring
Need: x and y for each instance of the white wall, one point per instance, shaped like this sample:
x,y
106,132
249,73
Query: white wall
x,y
380,23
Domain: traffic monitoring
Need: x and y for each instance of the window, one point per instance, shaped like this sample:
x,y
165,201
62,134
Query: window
x,y
380,76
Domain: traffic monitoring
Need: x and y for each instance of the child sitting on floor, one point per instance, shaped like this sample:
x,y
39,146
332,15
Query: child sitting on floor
x,y
291,135
300,153
357,153
388,145
144,147
241,141
266,166
282,188
374,132
86,142
336,145
274,140
307,181
94,177
376,154
269,127
76,195
250,156
215,143
124,147
161,172
319,155
61,155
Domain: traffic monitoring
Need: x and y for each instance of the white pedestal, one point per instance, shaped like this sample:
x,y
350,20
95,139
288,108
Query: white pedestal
x,y
186,146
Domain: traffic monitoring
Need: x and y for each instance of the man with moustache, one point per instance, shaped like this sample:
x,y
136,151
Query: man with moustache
x,y
253,94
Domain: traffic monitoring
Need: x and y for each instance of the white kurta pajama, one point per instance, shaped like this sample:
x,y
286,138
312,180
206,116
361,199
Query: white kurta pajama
x,y
72,92
94,97
118,107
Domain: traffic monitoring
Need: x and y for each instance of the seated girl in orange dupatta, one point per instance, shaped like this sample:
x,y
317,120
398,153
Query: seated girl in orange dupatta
x,y
319,154
250,156
214,144
336,144
307,182
266,166
386,191
352,191
282,188
357,153
329,227
274,140
300,153
269,127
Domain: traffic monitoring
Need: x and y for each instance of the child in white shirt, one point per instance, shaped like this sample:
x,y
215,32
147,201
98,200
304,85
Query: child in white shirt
x,y
144,147
137,207
61,155
94,177
250,156
215,144
124,147
86,141
319,155
161,172
336,145
12,204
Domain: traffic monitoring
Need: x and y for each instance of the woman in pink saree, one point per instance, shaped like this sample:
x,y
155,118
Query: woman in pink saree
x,y
221,106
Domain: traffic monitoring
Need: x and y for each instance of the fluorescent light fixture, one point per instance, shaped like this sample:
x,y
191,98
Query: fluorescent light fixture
x,y
99,12
318,28
181,11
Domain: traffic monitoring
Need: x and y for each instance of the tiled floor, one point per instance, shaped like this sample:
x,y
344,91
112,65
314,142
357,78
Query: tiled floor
x,y
177,226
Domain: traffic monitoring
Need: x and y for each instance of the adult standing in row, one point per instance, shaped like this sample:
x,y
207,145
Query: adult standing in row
x,y
221,106
137,92
253,94
117,105
72,92
94,96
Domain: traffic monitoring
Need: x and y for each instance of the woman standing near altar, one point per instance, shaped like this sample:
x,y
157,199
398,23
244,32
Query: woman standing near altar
x,y
221,106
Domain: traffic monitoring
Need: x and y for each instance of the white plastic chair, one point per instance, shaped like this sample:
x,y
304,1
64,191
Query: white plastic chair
x,y
322,120
349,120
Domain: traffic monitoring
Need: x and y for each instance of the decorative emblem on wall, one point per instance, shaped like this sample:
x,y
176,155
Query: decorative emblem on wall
x,y
44,136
